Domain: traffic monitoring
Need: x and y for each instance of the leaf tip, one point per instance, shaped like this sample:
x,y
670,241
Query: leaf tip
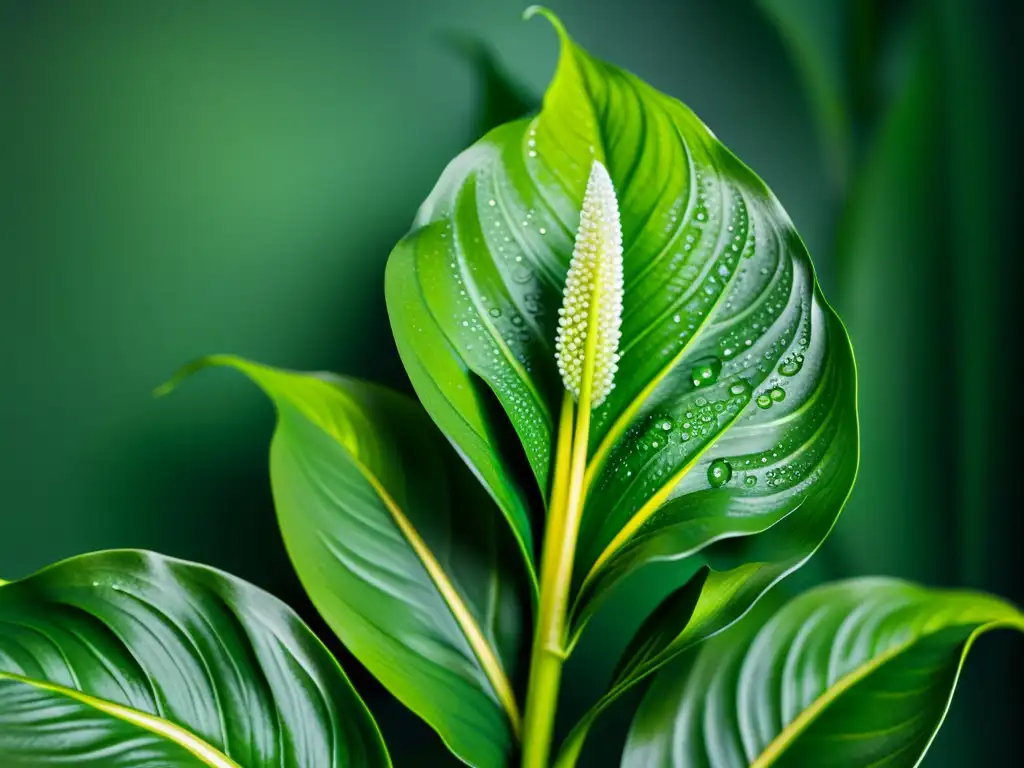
x,y
547,13
188,370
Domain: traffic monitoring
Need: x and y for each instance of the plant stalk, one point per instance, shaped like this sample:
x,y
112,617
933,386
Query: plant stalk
x,y
562,529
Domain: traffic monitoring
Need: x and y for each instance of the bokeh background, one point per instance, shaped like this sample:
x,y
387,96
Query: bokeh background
x,y
192,177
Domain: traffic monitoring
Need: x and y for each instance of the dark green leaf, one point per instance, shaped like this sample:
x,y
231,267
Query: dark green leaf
x,y
853,674
721,312
400,550
814,31
128,658
708,603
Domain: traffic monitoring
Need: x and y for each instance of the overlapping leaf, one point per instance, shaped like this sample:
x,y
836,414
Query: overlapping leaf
x,y
734,408
401,552
128,658
850,674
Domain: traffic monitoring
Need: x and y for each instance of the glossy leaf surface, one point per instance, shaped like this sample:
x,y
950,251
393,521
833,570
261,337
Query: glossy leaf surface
x,y
401,552
733,413
128,658
854,673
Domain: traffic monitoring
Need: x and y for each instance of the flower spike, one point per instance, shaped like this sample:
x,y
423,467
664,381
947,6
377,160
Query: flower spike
x,y
589,321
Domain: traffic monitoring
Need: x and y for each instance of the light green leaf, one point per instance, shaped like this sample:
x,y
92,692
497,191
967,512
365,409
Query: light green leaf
x,y
400,550
854,673
733,413
128,658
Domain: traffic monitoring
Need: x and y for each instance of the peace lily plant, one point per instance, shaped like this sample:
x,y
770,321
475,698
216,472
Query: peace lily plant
x,y
614,325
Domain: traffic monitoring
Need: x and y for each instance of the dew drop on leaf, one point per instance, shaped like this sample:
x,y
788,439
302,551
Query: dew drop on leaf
x,y
719,473
778,394
764,401
739,388
790,367
705,372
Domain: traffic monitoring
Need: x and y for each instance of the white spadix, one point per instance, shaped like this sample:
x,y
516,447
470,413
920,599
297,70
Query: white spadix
x,y
587,344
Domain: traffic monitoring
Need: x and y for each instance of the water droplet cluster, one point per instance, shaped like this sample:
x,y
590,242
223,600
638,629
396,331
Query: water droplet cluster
x,y
592,300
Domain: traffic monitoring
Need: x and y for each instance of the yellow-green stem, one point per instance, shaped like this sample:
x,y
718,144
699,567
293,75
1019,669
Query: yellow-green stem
x,y
562,529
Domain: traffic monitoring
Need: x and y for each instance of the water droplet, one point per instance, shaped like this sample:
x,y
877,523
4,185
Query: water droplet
x,y
705,372
778,394
739,388
491,203
719,473
750,481
764,401
790,367
494,312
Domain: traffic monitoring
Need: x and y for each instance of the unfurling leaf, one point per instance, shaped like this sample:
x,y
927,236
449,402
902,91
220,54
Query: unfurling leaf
x,y
850,674
401,552
127,659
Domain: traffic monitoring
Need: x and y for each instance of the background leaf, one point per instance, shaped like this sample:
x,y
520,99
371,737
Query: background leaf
x,y
104,654
401,552
850,674
817,34
920,238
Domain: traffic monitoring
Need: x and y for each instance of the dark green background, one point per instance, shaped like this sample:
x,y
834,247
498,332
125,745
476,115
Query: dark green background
x,y
185,178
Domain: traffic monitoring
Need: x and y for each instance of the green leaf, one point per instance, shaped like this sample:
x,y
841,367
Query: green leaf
x,y
854,673
721,312
400,550
708,603
128,658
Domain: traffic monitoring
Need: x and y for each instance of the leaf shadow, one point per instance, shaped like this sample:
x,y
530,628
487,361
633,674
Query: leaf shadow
x,y
502,97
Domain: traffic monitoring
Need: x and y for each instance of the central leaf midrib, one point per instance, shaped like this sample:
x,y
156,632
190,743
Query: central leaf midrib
x,y
485,655
158,726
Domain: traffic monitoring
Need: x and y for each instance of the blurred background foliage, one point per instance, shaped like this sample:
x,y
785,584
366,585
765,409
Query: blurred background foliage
x,y
178,179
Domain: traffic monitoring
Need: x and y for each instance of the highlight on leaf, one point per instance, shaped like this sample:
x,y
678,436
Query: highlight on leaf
x,y
590,318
